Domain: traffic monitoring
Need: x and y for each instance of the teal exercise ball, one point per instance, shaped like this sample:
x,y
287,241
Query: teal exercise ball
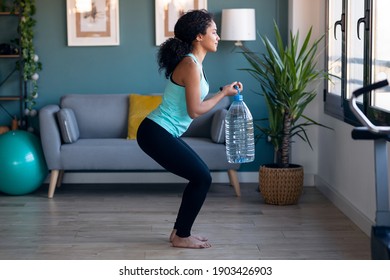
x,y
22,164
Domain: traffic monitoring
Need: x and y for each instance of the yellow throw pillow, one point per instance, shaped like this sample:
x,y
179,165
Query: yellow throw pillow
x,y
139,107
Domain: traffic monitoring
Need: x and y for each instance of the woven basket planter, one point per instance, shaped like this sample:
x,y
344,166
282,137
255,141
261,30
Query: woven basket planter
x,y
281,186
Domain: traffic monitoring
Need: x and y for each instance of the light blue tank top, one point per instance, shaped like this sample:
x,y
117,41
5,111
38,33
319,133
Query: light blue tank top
x,y
172,113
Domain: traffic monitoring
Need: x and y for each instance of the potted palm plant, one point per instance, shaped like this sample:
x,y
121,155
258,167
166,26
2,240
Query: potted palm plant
x,y
284,73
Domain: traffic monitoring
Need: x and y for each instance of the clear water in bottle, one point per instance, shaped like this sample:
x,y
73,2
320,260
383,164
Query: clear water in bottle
x,y
240,144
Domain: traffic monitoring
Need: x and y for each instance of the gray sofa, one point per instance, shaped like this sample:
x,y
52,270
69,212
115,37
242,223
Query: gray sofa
x,y
89,132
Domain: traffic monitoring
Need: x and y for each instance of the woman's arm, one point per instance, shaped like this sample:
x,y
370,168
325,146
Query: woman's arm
x,y
227,90
187,74
196,108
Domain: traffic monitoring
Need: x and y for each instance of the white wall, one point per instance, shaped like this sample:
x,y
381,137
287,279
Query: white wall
x,y
343,168
302,15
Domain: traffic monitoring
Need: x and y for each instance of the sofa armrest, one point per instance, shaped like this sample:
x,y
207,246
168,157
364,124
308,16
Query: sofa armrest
x,y
50,135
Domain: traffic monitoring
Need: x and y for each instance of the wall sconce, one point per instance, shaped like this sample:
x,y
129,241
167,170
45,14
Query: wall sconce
x,y
83,6
238,25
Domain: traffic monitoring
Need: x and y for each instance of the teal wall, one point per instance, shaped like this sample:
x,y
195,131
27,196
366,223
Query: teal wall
x,y
131,67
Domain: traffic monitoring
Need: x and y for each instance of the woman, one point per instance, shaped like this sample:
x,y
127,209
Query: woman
x,y
159,134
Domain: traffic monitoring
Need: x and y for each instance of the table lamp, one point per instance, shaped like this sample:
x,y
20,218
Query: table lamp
x,y
238,25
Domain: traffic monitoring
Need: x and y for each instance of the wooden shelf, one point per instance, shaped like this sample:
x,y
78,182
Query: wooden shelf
x,y
10,98
8,14
13,19
9,55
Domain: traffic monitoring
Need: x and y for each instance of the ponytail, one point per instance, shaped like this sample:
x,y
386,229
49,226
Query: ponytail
x,y
171,52
187,28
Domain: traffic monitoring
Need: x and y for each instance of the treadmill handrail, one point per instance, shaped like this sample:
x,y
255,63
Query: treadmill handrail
x,y
360,115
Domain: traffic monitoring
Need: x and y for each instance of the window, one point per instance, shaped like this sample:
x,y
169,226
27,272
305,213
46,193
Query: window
x,y
357,55
380,50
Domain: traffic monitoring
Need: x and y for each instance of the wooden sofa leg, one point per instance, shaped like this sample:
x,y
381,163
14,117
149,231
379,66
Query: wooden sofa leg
x,y
53,182
60,178
233,178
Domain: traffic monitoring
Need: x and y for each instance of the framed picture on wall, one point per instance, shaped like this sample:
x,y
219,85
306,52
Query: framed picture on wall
x,y
93,22
167,13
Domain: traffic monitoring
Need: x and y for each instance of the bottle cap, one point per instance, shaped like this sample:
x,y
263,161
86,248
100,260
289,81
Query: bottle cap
x,y
238,97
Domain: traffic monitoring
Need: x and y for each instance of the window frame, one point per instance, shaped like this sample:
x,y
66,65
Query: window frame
x,y
338,105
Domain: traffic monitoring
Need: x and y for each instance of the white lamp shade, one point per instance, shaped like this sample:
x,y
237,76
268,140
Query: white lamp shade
x,y
238,25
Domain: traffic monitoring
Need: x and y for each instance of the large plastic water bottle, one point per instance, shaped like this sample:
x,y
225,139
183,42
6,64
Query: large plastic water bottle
x,y
240,143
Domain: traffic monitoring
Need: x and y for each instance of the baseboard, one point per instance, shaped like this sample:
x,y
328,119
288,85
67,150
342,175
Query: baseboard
x,y
356,216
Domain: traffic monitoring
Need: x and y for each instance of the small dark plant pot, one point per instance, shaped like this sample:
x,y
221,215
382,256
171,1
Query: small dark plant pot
x,y
281,186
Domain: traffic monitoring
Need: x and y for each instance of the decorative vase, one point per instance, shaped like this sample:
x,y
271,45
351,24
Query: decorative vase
x,y
281,186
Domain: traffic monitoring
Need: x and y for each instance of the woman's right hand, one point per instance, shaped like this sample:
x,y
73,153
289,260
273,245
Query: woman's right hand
x,y
229,90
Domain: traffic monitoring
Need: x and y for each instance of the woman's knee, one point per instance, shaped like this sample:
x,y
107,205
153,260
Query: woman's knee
x,y
204,179
208,178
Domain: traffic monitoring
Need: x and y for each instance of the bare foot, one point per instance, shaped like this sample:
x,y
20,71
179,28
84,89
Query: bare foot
x,y
199,237
189,242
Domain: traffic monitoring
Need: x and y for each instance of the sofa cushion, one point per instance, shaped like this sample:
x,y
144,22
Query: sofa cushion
x,y
139,107
106,154
68,125
218,126
99,115
123,154
213,154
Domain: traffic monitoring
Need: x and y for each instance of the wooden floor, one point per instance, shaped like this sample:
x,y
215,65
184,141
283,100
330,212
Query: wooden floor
x,y
133,222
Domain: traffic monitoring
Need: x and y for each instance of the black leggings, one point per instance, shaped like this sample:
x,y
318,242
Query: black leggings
x,y
178,158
